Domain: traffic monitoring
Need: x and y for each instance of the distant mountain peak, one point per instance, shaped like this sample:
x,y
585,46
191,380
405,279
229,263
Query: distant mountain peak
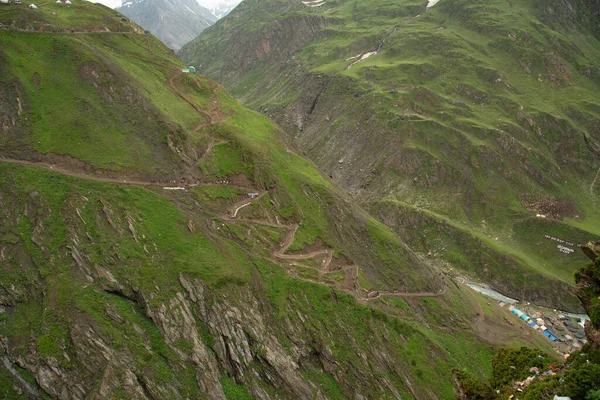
x,y
222,8
174,22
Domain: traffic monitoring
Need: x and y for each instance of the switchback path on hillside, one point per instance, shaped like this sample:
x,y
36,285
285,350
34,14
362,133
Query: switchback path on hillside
x,y
594,182
351,273
207,118
166,185
352,287
173,70
246,202
378,294
63,171
291,263
485,328
211,145
68,31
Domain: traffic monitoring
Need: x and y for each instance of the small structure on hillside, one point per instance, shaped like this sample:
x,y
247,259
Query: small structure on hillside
x,y
253,195
517,312
191,68
32,6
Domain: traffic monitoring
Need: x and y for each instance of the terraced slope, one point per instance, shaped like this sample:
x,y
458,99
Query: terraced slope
x,y
134,264
468,127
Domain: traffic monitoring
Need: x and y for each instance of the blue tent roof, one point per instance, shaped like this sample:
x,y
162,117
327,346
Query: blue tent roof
x,y
517,312
547,333
525,317
532,323
552,338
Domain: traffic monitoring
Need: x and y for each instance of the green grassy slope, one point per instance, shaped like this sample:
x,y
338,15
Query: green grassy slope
x,y
54,17
92,273
118,107
108,258
124,275
483,113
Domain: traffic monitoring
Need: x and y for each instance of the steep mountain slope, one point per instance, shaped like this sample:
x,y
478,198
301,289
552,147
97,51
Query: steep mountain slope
x,y
577,378
175,22
469,127
160,241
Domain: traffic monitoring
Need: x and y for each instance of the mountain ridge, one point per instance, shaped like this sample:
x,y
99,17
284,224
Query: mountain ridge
x,y
223,8
463,102
174,22
159,240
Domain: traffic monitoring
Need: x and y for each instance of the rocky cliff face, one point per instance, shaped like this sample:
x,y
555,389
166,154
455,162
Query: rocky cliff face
x,y
174,22
94,306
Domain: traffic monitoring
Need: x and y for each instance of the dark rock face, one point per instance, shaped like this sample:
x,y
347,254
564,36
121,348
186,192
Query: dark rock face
x,y
175,22
591,250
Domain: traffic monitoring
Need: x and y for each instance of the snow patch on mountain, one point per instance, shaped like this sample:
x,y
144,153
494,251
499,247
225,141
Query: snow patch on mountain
x,y
220,8
192,11
432,3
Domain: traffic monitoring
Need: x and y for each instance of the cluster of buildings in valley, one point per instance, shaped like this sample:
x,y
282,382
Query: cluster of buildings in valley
x,y
567,333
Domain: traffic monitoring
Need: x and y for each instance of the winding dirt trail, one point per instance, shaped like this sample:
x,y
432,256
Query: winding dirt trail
x,y
594,182
378,294
246,202
63,171
166,185
207,118
351,272
68,31
211,145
